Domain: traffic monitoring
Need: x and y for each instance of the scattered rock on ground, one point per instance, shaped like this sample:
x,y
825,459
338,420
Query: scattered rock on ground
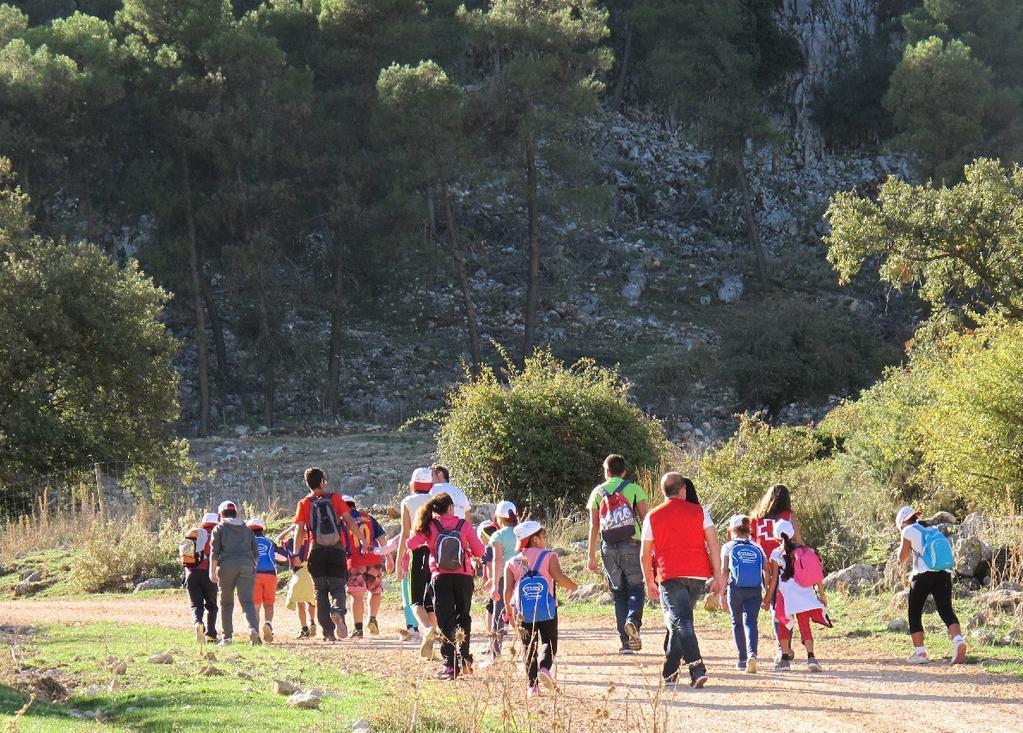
x,y
27,588
902,599
304,700
154,584
211,671
984,636
899,626
283,687
119,667
976,621
860,578
731,288
361,726
161,659
1002,600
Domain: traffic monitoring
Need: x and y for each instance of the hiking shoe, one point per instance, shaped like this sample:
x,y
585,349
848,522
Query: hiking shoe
x,y
699,682
915,658
374,627
426,648
625,650
813,665
340,627
547,680
254,639
959,653
200,633
533,691
304,633
782,665
741,665
635,642
226,641
312,629
751,665
268,633
356,634
447,673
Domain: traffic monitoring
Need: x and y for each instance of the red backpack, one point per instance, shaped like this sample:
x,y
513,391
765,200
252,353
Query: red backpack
x,y
617,516
807,569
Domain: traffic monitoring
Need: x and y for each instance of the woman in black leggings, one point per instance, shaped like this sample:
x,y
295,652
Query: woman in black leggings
x,y
923,582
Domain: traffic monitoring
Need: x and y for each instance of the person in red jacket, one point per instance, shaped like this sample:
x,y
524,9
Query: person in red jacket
x,y
680,550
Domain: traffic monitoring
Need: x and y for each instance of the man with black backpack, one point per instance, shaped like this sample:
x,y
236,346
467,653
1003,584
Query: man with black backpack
x,y
318,519
617,508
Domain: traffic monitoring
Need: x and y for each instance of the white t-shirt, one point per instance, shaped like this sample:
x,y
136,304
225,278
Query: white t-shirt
x,y
462,504
797,598
647,532
916,541
412,503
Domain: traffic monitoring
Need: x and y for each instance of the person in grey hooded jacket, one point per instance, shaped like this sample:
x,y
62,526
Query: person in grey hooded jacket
x,y
233,557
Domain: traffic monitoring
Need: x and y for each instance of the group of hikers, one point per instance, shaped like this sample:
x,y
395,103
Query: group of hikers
x,y
671,552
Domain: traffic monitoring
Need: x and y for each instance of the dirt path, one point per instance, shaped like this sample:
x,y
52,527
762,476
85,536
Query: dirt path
x,y
858,691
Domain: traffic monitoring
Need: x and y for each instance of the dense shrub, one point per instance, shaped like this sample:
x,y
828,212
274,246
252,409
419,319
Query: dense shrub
x,y
540,437
117,554
780,350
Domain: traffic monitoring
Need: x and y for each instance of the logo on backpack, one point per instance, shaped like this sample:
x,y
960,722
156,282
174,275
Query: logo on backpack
x,y
937,552
189,552
746,565
325,525
450,552
536,602
807,569
617,517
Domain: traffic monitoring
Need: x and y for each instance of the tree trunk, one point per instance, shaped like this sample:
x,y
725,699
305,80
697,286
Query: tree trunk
x,y
533,281
330,394
751,224
217,326
472,325
623,70
197,297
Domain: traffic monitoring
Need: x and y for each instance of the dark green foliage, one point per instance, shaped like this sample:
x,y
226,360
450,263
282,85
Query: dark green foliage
x,y
781,350
539,439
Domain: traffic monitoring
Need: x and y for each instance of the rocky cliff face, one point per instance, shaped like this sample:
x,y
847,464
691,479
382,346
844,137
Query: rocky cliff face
x,y
829,33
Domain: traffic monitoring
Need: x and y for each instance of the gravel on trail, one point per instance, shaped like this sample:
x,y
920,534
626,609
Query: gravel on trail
x,y
858,691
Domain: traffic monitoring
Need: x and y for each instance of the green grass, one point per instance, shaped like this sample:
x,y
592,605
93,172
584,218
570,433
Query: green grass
x,y
176,697
55,564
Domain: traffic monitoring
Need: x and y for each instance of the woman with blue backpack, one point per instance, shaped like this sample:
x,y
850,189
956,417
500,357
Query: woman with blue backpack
x,y
930,575
530,581
742,569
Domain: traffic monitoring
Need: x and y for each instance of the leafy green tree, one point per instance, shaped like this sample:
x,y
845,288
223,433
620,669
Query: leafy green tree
x,y
544,60
85,363
963,244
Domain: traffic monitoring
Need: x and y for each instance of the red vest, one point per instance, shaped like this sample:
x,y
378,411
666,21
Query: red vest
x,y
680,547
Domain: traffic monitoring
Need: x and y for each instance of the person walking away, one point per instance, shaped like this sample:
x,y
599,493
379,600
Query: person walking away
x,y
321,518
441,478
930,575
797,600
300,595
531,580
617,508
365,570
680,551
265,589
452,542
775,505
414,565
504,545
194,553
743,567
233,557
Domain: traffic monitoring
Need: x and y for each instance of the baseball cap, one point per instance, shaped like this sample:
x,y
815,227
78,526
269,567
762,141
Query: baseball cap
x,y
903,514
504,509
784,527
225,505
525,530
210,518
737,520
255,523
347,499
422,480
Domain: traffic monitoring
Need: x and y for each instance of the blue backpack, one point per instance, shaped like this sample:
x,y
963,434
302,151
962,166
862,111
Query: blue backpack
x,y
937,550
266,562
536,602
745,565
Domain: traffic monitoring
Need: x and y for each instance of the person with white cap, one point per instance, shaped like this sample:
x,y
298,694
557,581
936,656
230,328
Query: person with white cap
x,y
797,602
504,545
233,558
930,575
414,567
742,574
531,580
202,592
265,588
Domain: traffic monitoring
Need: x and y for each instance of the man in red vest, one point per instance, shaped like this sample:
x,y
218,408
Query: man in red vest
x,y
680,551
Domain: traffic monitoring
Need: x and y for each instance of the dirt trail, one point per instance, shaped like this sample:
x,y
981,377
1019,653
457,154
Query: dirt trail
x,y
858,691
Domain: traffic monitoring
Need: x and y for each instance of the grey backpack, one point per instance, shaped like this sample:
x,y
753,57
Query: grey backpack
x,y
325,525
450,552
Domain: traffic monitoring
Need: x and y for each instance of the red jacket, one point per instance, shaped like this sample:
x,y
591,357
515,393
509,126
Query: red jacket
x,y
680,545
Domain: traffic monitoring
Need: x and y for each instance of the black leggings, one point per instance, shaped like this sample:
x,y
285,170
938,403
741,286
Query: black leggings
x,y
202,592
938,584
420,589
540,640
452,597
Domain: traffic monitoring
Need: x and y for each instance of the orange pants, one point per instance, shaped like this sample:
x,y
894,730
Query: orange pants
x,y
265,591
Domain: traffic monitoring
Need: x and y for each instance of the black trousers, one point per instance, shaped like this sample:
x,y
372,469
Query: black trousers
x,y
420,589
452,598
202,592
540,640
329,568
937,584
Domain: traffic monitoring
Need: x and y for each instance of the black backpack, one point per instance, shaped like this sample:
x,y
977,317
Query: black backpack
x,y
450,552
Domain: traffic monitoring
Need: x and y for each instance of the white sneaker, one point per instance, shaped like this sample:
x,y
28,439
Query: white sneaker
x,y
751,665
915,658
959,654
547,680
268,633
426,648
200,633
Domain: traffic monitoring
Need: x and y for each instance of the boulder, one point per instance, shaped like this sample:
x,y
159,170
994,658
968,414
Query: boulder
x,y
902,599
283,687
984,636
972,556
304,700
586,592
154,584
361,726
380,511
31,576
26,588
972,525
941,518
119,667
731,288
161,659
899,626
860,578
976,621
1002,600
211,671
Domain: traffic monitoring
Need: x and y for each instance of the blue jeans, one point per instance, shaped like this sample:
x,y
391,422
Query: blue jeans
x,y
744,603
677,598
625,578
